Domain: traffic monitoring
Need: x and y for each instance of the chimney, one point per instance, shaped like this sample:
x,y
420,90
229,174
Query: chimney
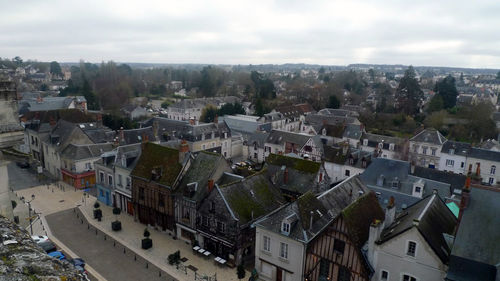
x,y
478,169
52,122
122,136
144,141
155,129
345,148
191,121
311,215
216,119
285,176
183,150
39,99
412,167
320,177
464,201
376,228
99,120
390,212
210,185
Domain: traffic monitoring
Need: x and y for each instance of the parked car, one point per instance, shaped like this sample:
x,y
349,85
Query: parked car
x,y
77,262
48,246
40,238
58,255
23,165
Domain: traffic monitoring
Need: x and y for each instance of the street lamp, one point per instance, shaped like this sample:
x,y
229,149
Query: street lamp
x,y
29,210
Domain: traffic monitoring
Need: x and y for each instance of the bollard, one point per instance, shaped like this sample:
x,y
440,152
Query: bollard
x,y
96,232
159,273
114,243
147,265
81,221
124,250
135,258
88,226
104,237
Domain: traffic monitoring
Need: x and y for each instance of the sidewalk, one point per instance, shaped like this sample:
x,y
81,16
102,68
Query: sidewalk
x,y
52,200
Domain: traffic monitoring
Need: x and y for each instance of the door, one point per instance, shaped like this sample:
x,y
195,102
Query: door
x,y
279,274
107,198
130,208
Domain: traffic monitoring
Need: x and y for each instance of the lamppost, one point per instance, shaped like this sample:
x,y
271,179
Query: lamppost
x,y
29,210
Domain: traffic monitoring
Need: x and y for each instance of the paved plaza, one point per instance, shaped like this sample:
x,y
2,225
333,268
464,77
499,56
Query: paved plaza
x,y
53,200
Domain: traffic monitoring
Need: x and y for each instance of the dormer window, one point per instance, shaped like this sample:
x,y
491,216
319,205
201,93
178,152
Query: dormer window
x,y
285,227
395,183
365,142
391,146
451,151
380,180
323,132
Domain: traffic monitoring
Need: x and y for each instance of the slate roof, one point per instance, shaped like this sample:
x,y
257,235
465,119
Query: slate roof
x,y
200,171
434,219
202,102
155,156
456,181
257,138
252,197
136,135
273,116
174,129
496,116
322,119
334,154
478,235
374,140
350,199
71,115
85,151
335,131
458,148
460,269
338,112
430,135
484,154
301,173
48,103
127,156
282,137
353,131
395,170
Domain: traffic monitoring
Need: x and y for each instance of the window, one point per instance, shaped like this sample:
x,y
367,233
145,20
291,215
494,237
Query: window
x,y
338,246
284,250
88,166
120,180
491,181
462,164
204,220
344,274
391,146
110,180
493,170
203,147
82,182
412,248
450,163
285,227
415,148
128,181
384,275
418,189
101,177
161,200
267,244
424,150
347,173
433,151
324,268
409,278
221,227
141,193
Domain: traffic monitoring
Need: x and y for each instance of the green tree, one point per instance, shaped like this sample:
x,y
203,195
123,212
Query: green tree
x,y
371,72
448,91
90,96
231,109
498,75
55,69
18,60
333,102
240,271
409,96
259,108
208,114
436,104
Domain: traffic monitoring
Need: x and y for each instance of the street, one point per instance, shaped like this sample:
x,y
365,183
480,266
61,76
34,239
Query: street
x,y
21,178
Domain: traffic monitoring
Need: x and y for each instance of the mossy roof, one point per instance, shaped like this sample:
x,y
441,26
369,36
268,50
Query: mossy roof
x,y
294,163
200,172
155,156
253,194
308,204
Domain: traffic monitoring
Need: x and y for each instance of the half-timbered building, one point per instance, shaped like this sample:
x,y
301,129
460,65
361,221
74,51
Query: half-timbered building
x,y
318,237
153,179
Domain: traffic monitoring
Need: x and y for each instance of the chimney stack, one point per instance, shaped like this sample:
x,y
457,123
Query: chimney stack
x,y
285,176
478,169
216,119
183,150
191,121
155,129
464,201
210,185
52,122
390,212
144,141
99,120
412,167
122,136
376,228
311,215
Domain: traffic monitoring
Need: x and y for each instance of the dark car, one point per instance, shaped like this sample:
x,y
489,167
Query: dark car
x,y
23,165
77,262
48,246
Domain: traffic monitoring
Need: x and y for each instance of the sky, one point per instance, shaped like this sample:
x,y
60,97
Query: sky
x,y
424,32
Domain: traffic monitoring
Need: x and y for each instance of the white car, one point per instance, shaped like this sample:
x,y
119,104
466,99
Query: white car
x,y
40,238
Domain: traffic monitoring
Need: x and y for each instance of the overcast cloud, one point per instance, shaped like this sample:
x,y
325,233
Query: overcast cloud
x,y
427,32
